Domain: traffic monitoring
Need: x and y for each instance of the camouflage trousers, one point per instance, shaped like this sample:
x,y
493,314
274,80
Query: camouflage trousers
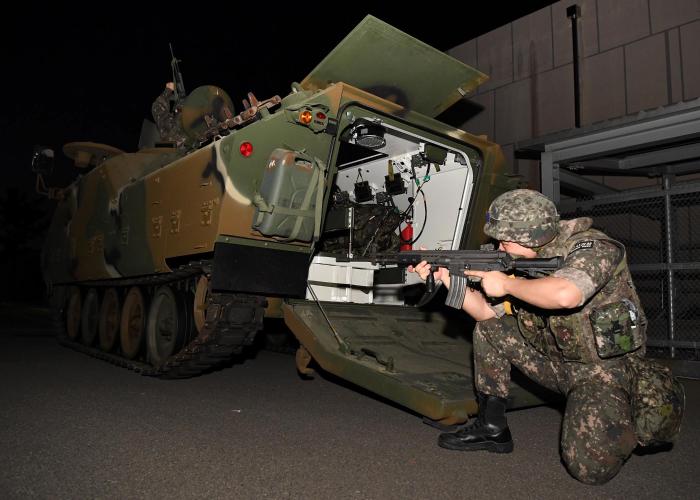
x,y
597,431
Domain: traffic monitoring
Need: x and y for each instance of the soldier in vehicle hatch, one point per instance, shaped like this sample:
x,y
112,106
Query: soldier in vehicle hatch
x,y
580,331
166,117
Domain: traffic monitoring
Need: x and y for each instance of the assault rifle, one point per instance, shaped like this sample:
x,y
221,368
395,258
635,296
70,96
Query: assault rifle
x,y
180,93
458,261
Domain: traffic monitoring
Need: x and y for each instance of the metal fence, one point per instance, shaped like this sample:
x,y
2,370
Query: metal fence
x,y
661,231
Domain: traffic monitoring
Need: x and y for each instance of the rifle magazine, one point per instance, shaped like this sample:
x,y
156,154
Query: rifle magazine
x,y
457,291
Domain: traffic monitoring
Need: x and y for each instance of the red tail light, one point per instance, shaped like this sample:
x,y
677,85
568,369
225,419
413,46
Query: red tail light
x,y
246,149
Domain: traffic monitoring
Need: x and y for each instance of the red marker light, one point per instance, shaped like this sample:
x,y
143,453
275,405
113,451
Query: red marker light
x,y
305,117
320,116
246,149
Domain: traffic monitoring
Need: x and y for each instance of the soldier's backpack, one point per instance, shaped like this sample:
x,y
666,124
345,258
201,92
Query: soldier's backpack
x,y
658,402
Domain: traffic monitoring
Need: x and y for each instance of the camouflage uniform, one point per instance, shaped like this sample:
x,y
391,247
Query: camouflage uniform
x,y
587,353
555,351
167,122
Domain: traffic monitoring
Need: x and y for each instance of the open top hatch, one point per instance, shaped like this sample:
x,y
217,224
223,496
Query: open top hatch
x,y
386,62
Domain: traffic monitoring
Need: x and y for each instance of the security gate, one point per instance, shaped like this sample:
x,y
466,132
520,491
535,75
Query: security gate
x,y
660,228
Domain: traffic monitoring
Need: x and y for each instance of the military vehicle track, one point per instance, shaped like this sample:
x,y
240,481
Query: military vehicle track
x,y
232,320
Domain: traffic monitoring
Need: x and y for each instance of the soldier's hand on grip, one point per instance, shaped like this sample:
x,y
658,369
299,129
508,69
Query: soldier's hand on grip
x,y
423,270
493,283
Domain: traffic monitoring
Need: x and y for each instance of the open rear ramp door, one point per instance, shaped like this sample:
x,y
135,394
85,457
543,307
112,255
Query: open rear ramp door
x,y
416,358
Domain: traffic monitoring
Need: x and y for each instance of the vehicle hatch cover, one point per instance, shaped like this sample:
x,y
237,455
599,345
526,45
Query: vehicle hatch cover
x,y
382,60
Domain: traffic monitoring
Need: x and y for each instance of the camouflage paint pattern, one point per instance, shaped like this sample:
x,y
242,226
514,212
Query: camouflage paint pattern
x,y
125,217
91,227
242,176
135,211
166,204
202,102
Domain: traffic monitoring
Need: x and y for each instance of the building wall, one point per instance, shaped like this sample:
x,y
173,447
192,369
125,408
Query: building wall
x,y
636,55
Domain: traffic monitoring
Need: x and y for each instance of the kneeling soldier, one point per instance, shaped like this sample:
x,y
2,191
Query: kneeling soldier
x,y
579,332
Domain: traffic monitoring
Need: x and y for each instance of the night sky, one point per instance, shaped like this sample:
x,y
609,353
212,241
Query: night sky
x,y
91,74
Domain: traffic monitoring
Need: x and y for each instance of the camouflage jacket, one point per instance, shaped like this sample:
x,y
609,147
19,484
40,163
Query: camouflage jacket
x,y
609,322
167,122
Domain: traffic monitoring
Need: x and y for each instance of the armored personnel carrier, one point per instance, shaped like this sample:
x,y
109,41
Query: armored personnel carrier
x,y
166,260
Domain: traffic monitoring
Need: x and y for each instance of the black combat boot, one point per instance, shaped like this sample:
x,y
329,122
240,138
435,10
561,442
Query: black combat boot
x,y
488,431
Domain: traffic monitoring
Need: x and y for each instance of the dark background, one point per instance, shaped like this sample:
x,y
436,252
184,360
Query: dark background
x,y
89,74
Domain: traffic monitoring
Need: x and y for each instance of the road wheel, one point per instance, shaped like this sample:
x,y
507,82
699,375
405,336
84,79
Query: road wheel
x,y
200,302
133,323
108,326
73,313
166,326
90,317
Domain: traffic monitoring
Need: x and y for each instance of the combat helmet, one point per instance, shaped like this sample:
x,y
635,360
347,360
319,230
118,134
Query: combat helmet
x,y
523,216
